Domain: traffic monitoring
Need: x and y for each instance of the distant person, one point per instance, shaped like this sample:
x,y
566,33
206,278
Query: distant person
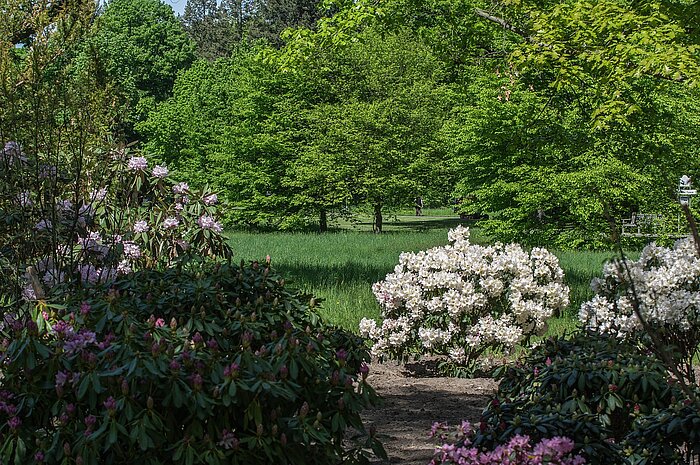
x,y
419,205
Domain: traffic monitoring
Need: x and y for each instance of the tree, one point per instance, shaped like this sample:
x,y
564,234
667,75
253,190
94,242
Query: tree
x,y
544,175
604,46
272,17
215,29
140,47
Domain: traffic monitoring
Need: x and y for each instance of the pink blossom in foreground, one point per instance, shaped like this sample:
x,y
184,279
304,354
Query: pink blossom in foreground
x,y
517,451
181,188
171,223
210,199
141,227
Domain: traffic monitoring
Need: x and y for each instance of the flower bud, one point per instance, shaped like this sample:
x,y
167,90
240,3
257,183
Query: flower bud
x,y
149,403
304,410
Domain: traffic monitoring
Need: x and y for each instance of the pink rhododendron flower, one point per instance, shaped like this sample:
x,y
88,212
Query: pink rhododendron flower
x,y
137,163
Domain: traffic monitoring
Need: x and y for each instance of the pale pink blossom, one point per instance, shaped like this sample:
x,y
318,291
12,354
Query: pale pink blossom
x,y
181,188
137,163
160,171
171,223
208,222
141,226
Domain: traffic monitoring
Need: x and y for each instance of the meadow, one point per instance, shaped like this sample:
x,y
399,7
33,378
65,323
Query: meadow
x,y
340,266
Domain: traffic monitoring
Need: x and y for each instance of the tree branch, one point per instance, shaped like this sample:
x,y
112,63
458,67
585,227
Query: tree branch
x,y
503,23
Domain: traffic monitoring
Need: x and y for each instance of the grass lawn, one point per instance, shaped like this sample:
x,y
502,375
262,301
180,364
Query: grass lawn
x,y
340,266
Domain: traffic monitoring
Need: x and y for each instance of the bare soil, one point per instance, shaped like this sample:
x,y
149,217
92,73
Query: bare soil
x,y
414,398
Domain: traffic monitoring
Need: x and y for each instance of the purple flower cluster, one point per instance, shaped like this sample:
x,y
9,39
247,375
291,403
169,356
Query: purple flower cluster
x,y
76,342
517,451
228,440
210,199
12,152
181,188
208,222
137,163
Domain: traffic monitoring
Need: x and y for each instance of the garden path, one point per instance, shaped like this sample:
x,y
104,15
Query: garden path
x,y
414,398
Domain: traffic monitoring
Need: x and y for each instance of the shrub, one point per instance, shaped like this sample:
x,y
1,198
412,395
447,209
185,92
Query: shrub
x,y
590,388
463,299
518,450
664,287
78,229
204,363
669,435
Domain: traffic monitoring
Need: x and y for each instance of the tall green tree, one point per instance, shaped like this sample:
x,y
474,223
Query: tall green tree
x,y
271,17
214,28
140,47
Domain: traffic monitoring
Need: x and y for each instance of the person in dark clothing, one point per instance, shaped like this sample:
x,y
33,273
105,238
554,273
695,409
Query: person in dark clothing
x,y
419,205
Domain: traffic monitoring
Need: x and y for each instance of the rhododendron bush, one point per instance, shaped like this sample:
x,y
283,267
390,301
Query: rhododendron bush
x,y
461,299
220,364
117,215
663,287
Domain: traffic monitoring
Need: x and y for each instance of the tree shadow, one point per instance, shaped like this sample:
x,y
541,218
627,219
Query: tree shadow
x,y
333,274
420,223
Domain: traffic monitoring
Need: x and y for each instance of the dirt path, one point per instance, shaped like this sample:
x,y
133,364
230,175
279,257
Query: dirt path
x,y
413,400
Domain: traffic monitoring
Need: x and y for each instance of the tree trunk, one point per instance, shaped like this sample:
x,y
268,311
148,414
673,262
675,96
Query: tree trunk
x,y
323,221
377,226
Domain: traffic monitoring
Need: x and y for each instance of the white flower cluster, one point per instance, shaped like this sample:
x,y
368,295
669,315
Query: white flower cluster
x,y
666,290
459,299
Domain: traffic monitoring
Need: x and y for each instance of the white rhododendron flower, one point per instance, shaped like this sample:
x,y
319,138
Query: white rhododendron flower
x,y
460,299
666,288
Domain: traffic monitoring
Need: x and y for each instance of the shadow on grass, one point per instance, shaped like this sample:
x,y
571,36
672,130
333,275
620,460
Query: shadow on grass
x,y
417,223
333,274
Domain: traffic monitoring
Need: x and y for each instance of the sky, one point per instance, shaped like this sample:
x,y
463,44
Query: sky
x,y
178,5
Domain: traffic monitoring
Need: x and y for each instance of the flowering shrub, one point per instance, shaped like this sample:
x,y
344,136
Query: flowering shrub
x,y
664,286
462,299
205,363
518,450
592,388
117,218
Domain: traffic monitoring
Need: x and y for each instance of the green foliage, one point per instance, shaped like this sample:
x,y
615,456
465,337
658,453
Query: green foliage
x,y
211,363
590,388
544,175
140,47
212,27
669,435
607,46
271,19
352,129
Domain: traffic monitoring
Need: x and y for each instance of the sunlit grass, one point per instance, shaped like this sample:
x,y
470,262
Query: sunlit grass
x,y
341,266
